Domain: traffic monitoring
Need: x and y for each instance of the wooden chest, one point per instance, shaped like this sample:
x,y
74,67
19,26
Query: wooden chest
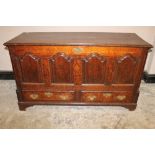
x,y
72,68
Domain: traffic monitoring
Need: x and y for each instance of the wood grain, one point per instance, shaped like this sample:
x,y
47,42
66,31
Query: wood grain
x,y
85,73
79,38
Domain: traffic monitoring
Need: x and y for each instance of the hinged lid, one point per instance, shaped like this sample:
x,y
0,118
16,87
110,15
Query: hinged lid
x,y
79,38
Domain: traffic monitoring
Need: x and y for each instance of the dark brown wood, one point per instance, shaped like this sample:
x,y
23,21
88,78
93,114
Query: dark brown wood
x,y
48,96
79,38
98,69
94,67
23,107
61,64
31,68
130,107
107,97
125,76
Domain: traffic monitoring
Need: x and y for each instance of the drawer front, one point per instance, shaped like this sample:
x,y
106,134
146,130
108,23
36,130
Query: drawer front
x,y
117,97
48,96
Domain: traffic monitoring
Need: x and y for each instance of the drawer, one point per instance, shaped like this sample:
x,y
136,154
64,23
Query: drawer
x,y
112,97
47,96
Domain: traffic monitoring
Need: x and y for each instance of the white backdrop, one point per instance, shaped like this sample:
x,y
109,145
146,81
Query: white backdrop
x,y
8,32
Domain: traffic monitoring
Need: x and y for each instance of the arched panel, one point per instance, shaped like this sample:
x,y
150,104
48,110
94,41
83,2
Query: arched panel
x,y
31,68
61,68
125,69
94,67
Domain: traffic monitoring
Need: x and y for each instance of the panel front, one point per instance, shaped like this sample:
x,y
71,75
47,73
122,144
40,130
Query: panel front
x,y
28,69
94,69
125,70
61,68
76,67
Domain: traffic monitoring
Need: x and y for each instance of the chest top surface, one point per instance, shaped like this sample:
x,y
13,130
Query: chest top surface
x,y
79,39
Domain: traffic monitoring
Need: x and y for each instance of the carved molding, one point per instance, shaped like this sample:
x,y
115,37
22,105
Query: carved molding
x,y
35,58
69,69
63,55
19,60
94,55
128,69
86,61
126,57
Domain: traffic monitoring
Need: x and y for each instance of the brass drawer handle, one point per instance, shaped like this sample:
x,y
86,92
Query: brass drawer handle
x,y
77,50
48,94
91,98
107,95
64,97
34,96
121,97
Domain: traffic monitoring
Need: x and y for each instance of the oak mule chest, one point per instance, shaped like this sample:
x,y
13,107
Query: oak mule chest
x,y
78,68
